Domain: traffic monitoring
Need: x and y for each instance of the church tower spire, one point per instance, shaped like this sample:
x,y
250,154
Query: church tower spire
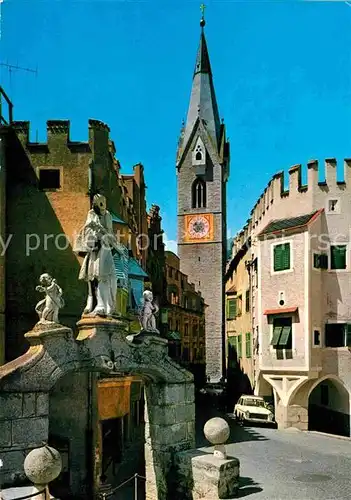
x,y
202,173
203,103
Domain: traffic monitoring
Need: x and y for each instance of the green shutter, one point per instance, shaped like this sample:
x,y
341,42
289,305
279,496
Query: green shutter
x,y
239,350
248,345
338,257
276,335
282,257
286,256
277,258
348,335
231,311
285,336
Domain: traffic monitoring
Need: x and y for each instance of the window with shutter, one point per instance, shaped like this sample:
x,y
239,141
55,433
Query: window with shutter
x,y
277,330
231,309
282,333
248,345
239,349
281,256
338,257
285,341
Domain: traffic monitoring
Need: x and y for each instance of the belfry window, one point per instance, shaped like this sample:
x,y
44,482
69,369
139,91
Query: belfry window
x,y
199,194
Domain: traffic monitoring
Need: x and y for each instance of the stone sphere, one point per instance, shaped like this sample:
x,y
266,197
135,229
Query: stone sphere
x,y
217,430
43,465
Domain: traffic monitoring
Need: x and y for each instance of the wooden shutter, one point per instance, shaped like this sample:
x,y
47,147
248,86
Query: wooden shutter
x,y
286,256
285,337
338,257
278,258
248,345
276,335
239,350
231,309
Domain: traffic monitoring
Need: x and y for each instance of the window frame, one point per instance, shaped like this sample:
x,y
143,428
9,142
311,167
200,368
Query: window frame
x,y
333,212
281,243
314,345
321,254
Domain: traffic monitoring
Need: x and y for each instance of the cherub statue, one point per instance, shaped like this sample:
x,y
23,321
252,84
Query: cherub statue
x,y
49,307
147,313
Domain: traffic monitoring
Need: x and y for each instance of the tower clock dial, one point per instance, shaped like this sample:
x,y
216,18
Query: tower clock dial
x,y
199,227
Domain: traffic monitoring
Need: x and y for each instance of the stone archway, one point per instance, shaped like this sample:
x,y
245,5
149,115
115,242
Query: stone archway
x,y
329,407
101,347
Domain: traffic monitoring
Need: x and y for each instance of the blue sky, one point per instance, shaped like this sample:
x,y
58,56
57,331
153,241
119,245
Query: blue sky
x,y
282,73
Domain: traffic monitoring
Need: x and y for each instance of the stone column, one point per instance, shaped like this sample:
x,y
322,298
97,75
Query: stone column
x,y
169,428
291,416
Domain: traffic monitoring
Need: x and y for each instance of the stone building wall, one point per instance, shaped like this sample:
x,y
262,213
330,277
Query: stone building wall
x,y
43,223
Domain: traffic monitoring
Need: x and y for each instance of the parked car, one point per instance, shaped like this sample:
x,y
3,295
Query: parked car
x,y
253,409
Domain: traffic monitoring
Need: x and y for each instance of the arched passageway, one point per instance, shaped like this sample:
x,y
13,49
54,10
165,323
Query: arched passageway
x,y
329,408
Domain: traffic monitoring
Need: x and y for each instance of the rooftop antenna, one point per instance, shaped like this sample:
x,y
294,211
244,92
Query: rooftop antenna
x,y
12,67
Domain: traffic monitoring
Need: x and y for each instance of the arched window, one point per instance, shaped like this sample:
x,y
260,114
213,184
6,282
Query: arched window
x,y
199,194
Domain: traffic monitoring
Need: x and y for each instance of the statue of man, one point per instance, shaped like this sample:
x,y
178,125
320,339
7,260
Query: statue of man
x,y
98,269
49,307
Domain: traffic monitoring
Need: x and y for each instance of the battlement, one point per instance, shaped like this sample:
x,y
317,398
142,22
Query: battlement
x,y
320,177
98,125
59,131
280,200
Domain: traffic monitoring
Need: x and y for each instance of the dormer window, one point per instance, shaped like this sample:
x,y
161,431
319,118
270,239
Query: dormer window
x,y
198,153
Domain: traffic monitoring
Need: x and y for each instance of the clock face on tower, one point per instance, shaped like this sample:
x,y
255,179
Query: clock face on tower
x,y
198,227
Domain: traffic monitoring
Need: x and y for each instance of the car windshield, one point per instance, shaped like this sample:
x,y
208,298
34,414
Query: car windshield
x,y
253,402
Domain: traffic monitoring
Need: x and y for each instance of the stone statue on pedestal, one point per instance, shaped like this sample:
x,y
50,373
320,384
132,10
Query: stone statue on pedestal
x,y
49,307
97,242
147,313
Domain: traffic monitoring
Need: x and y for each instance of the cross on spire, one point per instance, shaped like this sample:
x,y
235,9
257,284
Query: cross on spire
x,y
202,8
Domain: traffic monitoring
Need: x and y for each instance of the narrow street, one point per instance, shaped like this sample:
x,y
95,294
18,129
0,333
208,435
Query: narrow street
x,y
289,464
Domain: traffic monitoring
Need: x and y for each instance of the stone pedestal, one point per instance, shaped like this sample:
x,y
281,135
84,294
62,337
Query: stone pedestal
x,y
206,477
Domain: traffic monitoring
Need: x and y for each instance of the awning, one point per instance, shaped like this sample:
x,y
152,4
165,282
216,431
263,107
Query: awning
x,y
135,270
117,219
282,310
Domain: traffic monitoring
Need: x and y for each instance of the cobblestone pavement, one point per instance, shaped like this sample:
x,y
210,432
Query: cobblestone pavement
x,y
289,464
